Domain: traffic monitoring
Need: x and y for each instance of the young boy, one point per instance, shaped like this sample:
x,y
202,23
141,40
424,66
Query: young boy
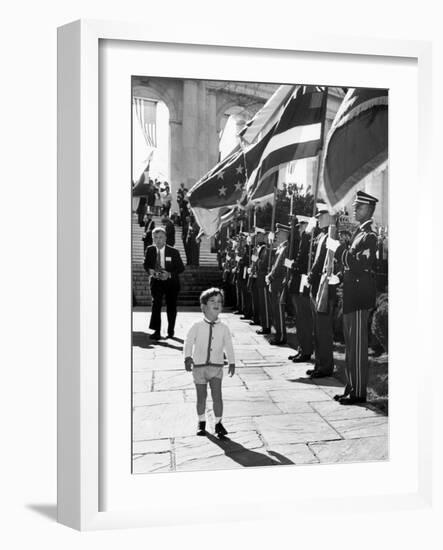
x,y
204,349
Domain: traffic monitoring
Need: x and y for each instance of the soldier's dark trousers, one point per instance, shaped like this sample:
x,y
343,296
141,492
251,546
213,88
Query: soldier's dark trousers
x,y
246,299
355,328
255,302
303,323
278,314
238,296
323,338
264,305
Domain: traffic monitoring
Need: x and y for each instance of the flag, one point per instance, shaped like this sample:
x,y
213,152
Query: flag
x,y
146,113
297,135
356,144
224,186
250,132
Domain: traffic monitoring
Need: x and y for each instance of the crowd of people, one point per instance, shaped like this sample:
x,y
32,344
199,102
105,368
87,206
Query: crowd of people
x,y
157,203
264,276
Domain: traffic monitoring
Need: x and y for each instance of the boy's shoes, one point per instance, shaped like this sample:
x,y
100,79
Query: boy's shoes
x,y
155,336
220,430
263,331
201,430
171,334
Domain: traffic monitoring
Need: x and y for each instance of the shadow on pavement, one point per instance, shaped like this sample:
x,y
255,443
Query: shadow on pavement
x,y
167,345
141,340
326,381
176,339
246,457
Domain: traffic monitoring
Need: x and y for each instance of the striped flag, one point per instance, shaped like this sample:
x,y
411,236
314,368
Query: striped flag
x,y
146,113
356,144
297,135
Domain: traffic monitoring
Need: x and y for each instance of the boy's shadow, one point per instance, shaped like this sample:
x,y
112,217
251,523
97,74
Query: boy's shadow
x,y
246,457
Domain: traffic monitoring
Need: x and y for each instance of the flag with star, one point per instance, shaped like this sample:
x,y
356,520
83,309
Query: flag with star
x,y
224,187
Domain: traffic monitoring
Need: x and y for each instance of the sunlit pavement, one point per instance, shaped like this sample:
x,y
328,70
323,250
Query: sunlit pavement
x,y
273,412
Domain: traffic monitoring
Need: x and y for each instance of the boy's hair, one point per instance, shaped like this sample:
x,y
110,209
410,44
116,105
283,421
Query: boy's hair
x,y
209,293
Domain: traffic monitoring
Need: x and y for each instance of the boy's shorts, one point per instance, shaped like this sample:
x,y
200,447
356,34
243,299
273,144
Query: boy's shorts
x,y
203,374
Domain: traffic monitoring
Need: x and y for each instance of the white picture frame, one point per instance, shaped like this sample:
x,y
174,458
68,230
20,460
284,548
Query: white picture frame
x,y
79,292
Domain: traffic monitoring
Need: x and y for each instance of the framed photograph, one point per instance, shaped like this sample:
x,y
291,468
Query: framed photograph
x,y
196,180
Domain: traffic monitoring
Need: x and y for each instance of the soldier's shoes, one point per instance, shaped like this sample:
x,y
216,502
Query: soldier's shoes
x,y
244,318
349,400
337,397
263,331
201,428
292,357
155,335
302,359
220,430
253,323
320,374
309,372
277,342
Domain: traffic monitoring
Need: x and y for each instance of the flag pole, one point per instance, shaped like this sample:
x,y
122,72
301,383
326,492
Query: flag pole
x,y
274,208
317,179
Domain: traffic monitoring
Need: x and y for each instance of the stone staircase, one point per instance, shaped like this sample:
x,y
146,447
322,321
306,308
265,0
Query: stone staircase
x,y
193,281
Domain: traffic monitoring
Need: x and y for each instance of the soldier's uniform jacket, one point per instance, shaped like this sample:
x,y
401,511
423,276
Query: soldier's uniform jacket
x,y
300,265
262,264
315,275
242,266
357,263
278,270
318,264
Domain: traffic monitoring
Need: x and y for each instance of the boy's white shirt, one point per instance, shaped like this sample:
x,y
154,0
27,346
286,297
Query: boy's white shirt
x,y
197,343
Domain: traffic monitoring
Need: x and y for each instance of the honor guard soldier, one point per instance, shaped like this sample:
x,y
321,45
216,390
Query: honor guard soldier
x,y
257,239
274,280
299,293
262,290
323,326
245,290
240,281
359,295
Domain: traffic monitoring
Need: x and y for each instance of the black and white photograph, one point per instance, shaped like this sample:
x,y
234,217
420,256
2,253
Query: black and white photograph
x,y
260,304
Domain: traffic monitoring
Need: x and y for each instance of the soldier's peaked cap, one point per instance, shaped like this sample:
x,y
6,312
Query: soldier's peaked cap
x,y
364,198
282,227
321,209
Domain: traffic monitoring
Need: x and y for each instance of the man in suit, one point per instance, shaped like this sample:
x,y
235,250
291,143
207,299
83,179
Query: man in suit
x,y
147,235
164,264
359,295
275,281
169,229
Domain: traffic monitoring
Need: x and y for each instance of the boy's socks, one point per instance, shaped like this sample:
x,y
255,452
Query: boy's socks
x,y
201,417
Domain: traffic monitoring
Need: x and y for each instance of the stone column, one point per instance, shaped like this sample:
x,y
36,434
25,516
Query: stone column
x,y
213,141
176,159
190,132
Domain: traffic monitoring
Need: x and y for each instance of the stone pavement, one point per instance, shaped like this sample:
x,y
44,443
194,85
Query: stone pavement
x,y
274,414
